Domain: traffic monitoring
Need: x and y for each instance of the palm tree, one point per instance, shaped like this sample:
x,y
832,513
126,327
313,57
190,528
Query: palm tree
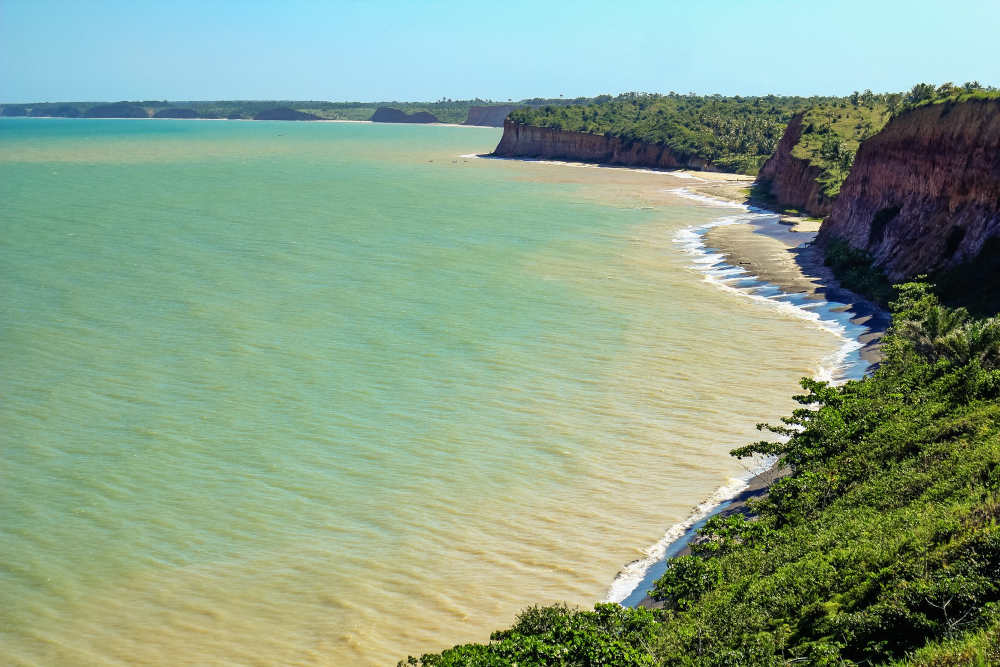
x,y
975,341
937,322
949,334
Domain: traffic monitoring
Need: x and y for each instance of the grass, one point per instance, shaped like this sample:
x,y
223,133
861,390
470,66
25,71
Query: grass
x,y
831,136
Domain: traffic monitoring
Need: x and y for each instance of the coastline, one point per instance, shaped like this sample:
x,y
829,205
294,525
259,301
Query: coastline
x,y
764,255
318,120
767,256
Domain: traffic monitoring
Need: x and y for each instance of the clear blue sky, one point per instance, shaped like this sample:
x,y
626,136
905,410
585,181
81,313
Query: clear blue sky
x,y
64,50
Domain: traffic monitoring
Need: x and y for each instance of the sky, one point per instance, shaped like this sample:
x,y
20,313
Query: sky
x,y
383,50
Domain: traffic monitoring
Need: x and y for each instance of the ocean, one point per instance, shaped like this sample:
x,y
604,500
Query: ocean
x,y
335,393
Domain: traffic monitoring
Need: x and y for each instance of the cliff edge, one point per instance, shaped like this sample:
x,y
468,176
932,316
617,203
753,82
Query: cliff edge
x,y
793,182
529,141
924,193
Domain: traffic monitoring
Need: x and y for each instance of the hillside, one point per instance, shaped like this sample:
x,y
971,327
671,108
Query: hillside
x,y
882,544
924,194
729,133
817,150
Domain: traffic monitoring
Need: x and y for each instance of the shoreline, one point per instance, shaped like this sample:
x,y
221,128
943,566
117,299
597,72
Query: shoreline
x,y
316,120
764,255
768,256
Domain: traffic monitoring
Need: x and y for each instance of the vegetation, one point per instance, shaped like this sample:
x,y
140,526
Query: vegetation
x,y
853,268
116,110
831,134
610,635
739,133
923,94
445,110
284,113
882,546
733,133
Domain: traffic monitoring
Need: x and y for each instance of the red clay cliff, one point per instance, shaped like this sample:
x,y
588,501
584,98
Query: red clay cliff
x,y
924,193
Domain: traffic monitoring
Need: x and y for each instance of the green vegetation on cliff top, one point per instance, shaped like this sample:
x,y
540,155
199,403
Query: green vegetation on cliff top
x,y
733,133
739,133
881,547
832,132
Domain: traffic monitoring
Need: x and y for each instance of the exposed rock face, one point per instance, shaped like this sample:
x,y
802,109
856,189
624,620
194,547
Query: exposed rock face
x,y
390,115
284,113
176,112
924,193
793,181
543,142
489,116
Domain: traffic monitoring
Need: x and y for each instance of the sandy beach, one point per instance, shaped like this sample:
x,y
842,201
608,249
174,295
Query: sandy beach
x,y
775,249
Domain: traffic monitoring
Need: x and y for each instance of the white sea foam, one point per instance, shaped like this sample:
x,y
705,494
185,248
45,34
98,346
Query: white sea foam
x,y
735,279
632,574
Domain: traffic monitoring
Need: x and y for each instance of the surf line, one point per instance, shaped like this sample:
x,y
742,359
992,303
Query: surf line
x,y
633,582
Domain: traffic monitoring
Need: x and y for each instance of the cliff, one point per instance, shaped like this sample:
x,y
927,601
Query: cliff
x,y
390,115
543,142
792,181
489,116
284,113
924,193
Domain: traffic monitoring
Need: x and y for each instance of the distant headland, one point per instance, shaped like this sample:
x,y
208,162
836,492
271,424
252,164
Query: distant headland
x,y
485,113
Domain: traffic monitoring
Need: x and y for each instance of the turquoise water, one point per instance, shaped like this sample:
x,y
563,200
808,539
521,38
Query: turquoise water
x,y
332,393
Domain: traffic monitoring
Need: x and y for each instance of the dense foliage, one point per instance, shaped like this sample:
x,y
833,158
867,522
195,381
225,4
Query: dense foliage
x,y
923,94
881,546
610,635
733,133
832,132
853,268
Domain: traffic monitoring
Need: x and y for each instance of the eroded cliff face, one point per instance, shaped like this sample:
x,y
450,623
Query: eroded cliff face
x,y
792,181
924,193
550,144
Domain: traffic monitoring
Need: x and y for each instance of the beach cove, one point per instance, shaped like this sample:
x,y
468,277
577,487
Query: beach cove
x,y
337,393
